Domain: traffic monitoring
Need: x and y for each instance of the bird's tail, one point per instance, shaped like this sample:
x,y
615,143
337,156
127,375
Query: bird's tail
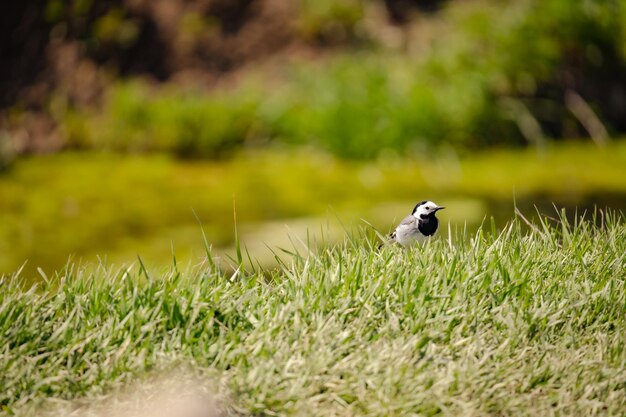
x,y
390,238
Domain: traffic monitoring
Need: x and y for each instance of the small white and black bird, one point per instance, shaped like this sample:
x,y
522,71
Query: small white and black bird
x,y
419,226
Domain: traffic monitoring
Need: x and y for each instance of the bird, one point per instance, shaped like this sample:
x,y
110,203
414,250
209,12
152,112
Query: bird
x,y
418,226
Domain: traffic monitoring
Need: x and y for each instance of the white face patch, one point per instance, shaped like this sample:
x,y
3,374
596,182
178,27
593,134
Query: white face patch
x,y
426,208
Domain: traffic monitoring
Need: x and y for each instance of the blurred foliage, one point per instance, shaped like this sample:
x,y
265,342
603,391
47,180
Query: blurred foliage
x,y
494,74
331,21
186,124
105,203
99,24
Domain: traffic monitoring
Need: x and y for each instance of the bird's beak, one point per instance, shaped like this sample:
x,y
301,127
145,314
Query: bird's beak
x,y
439,208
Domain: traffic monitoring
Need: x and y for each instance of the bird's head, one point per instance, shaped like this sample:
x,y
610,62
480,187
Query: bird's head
x,y
426,209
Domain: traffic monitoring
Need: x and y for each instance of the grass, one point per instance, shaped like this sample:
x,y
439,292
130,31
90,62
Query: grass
x,y
517,322
88,204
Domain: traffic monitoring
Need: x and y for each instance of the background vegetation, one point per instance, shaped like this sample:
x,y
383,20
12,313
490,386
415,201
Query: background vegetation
x,y
474,74
88,205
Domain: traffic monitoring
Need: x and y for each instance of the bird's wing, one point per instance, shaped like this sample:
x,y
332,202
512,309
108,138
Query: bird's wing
x,y
408,221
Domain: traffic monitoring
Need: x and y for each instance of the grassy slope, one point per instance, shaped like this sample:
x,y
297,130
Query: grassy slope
x,y
519,323
90,203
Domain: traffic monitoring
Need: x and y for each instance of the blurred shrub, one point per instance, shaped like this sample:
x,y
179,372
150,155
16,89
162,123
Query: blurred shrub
x,y
330,21
356,110
496,74
185,123
533,52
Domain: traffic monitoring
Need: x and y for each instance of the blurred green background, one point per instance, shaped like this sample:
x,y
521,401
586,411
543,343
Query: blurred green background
x,y
120,119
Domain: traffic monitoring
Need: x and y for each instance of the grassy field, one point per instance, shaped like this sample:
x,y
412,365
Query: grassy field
x,y
525,321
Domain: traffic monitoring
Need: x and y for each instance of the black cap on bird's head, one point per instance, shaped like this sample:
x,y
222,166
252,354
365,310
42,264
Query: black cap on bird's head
x,y
426,208
421,203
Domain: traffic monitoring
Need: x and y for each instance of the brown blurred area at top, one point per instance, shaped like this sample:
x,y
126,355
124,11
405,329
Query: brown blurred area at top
x,y
78,46
47,46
